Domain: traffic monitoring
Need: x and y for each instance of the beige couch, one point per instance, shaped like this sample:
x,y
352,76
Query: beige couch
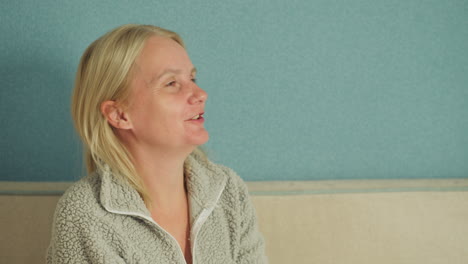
x,y
393,221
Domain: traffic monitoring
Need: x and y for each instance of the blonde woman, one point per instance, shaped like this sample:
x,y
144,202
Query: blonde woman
x,y
151,195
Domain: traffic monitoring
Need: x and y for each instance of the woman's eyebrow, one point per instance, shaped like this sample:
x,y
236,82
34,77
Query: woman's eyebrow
x,y
170,71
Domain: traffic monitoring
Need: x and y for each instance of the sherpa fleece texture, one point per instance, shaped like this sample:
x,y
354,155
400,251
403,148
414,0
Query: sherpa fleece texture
x,y
101,219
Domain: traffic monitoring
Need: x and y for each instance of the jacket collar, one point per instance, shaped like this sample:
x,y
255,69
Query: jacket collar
x,y
205,182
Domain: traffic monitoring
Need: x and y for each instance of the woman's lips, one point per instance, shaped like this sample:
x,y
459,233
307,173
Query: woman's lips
x,y
197,118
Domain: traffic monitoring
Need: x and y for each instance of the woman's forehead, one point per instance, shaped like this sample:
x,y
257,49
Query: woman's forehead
x,y
161,54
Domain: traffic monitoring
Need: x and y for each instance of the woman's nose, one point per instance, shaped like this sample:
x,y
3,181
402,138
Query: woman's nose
x,y
198,96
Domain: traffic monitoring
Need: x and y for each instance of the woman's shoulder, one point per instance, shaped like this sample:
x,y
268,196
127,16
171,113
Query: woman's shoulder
x,y
233,180
201,162
80,197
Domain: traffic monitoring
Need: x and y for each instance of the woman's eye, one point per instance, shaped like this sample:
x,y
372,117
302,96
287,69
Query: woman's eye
x,y
194,80
171,83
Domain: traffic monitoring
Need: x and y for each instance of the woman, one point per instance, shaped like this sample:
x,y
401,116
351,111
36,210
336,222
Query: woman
x,y
151,196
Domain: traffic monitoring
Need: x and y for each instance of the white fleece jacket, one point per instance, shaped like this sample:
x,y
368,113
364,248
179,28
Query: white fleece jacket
x,y
101,219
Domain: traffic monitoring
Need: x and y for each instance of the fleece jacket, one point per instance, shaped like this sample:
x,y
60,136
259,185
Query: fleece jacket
x,y
102,219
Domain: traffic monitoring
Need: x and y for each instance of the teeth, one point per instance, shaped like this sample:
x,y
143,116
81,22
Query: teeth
x,y
196,117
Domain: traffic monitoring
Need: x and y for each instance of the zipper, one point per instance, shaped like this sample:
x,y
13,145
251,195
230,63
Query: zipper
x,y
201,219
152,221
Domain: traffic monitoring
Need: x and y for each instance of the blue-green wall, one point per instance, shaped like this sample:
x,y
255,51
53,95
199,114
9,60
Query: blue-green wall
x,y
298,89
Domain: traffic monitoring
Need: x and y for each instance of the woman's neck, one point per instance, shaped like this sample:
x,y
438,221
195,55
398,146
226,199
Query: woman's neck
x,y
162,173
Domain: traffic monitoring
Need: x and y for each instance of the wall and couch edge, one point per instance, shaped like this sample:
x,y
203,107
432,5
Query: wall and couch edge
x,y
347,221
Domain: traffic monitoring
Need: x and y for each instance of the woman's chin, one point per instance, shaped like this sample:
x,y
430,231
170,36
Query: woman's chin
x,y
200,139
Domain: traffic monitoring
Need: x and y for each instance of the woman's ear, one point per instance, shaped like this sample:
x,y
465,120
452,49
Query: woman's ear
x,y
115,115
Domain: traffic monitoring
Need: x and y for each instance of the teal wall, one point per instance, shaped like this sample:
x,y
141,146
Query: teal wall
x,y
298,89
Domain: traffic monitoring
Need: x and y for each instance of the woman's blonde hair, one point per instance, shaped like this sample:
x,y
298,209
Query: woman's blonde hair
x,y
104,73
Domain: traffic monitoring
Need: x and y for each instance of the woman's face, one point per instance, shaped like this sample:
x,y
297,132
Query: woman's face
x,y
166,105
